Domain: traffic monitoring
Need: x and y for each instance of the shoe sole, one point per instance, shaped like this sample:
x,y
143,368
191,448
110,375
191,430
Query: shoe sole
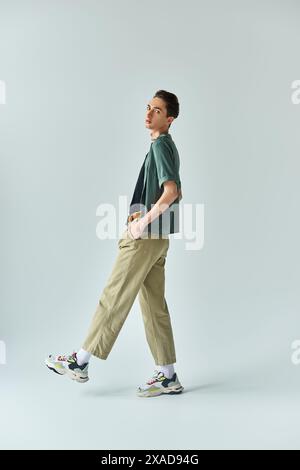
x,y
176,390
70,374
54,370
77,378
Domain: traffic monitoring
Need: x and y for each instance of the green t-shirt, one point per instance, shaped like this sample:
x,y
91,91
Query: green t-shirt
x,y
161,164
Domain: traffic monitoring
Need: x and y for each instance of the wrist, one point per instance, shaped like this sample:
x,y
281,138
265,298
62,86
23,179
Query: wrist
x,y
143,222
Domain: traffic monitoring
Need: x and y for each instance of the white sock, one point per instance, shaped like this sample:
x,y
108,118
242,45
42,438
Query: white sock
x,y
167,370
82,357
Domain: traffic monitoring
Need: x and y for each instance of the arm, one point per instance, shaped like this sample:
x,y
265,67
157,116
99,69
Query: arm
x,y
168,196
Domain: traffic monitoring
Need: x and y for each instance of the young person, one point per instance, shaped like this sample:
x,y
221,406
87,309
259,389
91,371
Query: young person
x,y
139,268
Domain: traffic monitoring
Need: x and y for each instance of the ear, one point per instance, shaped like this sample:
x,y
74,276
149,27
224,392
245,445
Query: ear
x,y
170,119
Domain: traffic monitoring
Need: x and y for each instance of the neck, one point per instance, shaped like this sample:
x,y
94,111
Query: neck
x,y
155,134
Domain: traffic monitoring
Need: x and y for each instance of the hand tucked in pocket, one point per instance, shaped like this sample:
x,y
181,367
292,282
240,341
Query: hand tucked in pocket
x,y
136,228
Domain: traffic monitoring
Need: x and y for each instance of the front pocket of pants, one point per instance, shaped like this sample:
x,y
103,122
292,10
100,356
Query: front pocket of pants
x,y
128,235
125,240
130,238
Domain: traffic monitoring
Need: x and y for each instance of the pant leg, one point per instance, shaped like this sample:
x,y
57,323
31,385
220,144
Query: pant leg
x,y
135,259
156,315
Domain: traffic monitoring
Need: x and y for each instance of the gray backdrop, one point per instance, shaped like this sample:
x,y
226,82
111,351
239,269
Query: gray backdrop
x,y
78,76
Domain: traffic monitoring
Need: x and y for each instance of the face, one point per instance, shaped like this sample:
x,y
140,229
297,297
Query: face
x,y
156,115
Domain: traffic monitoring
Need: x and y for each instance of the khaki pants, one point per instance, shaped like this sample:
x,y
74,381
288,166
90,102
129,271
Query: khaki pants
x,y
138,269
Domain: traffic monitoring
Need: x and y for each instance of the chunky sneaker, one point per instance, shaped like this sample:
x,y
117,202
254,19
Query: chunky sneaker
x,y
159,384
68,365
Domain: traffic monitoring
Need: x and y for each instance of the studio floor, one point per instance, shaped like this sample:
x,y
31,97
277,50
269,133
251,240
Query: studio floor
x,y
52,412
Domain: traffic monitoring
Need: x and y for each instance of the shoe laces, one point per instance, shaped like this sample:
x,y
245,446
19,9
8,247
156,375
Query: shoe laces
x,y
67,358
156,377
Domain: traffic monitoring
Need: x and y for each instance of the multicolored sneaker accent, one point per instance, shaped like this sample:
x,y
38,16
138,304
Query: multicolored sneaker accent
x,y
158,384
67,364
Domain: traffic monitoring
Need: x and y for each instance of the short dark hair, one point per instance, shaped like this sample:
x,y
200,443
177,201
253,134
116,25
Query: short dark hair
x,y
171,102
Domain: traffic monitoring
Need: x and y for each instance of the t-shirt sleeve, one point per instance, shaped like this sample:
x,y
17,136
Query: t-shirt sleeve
x,y
165,164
